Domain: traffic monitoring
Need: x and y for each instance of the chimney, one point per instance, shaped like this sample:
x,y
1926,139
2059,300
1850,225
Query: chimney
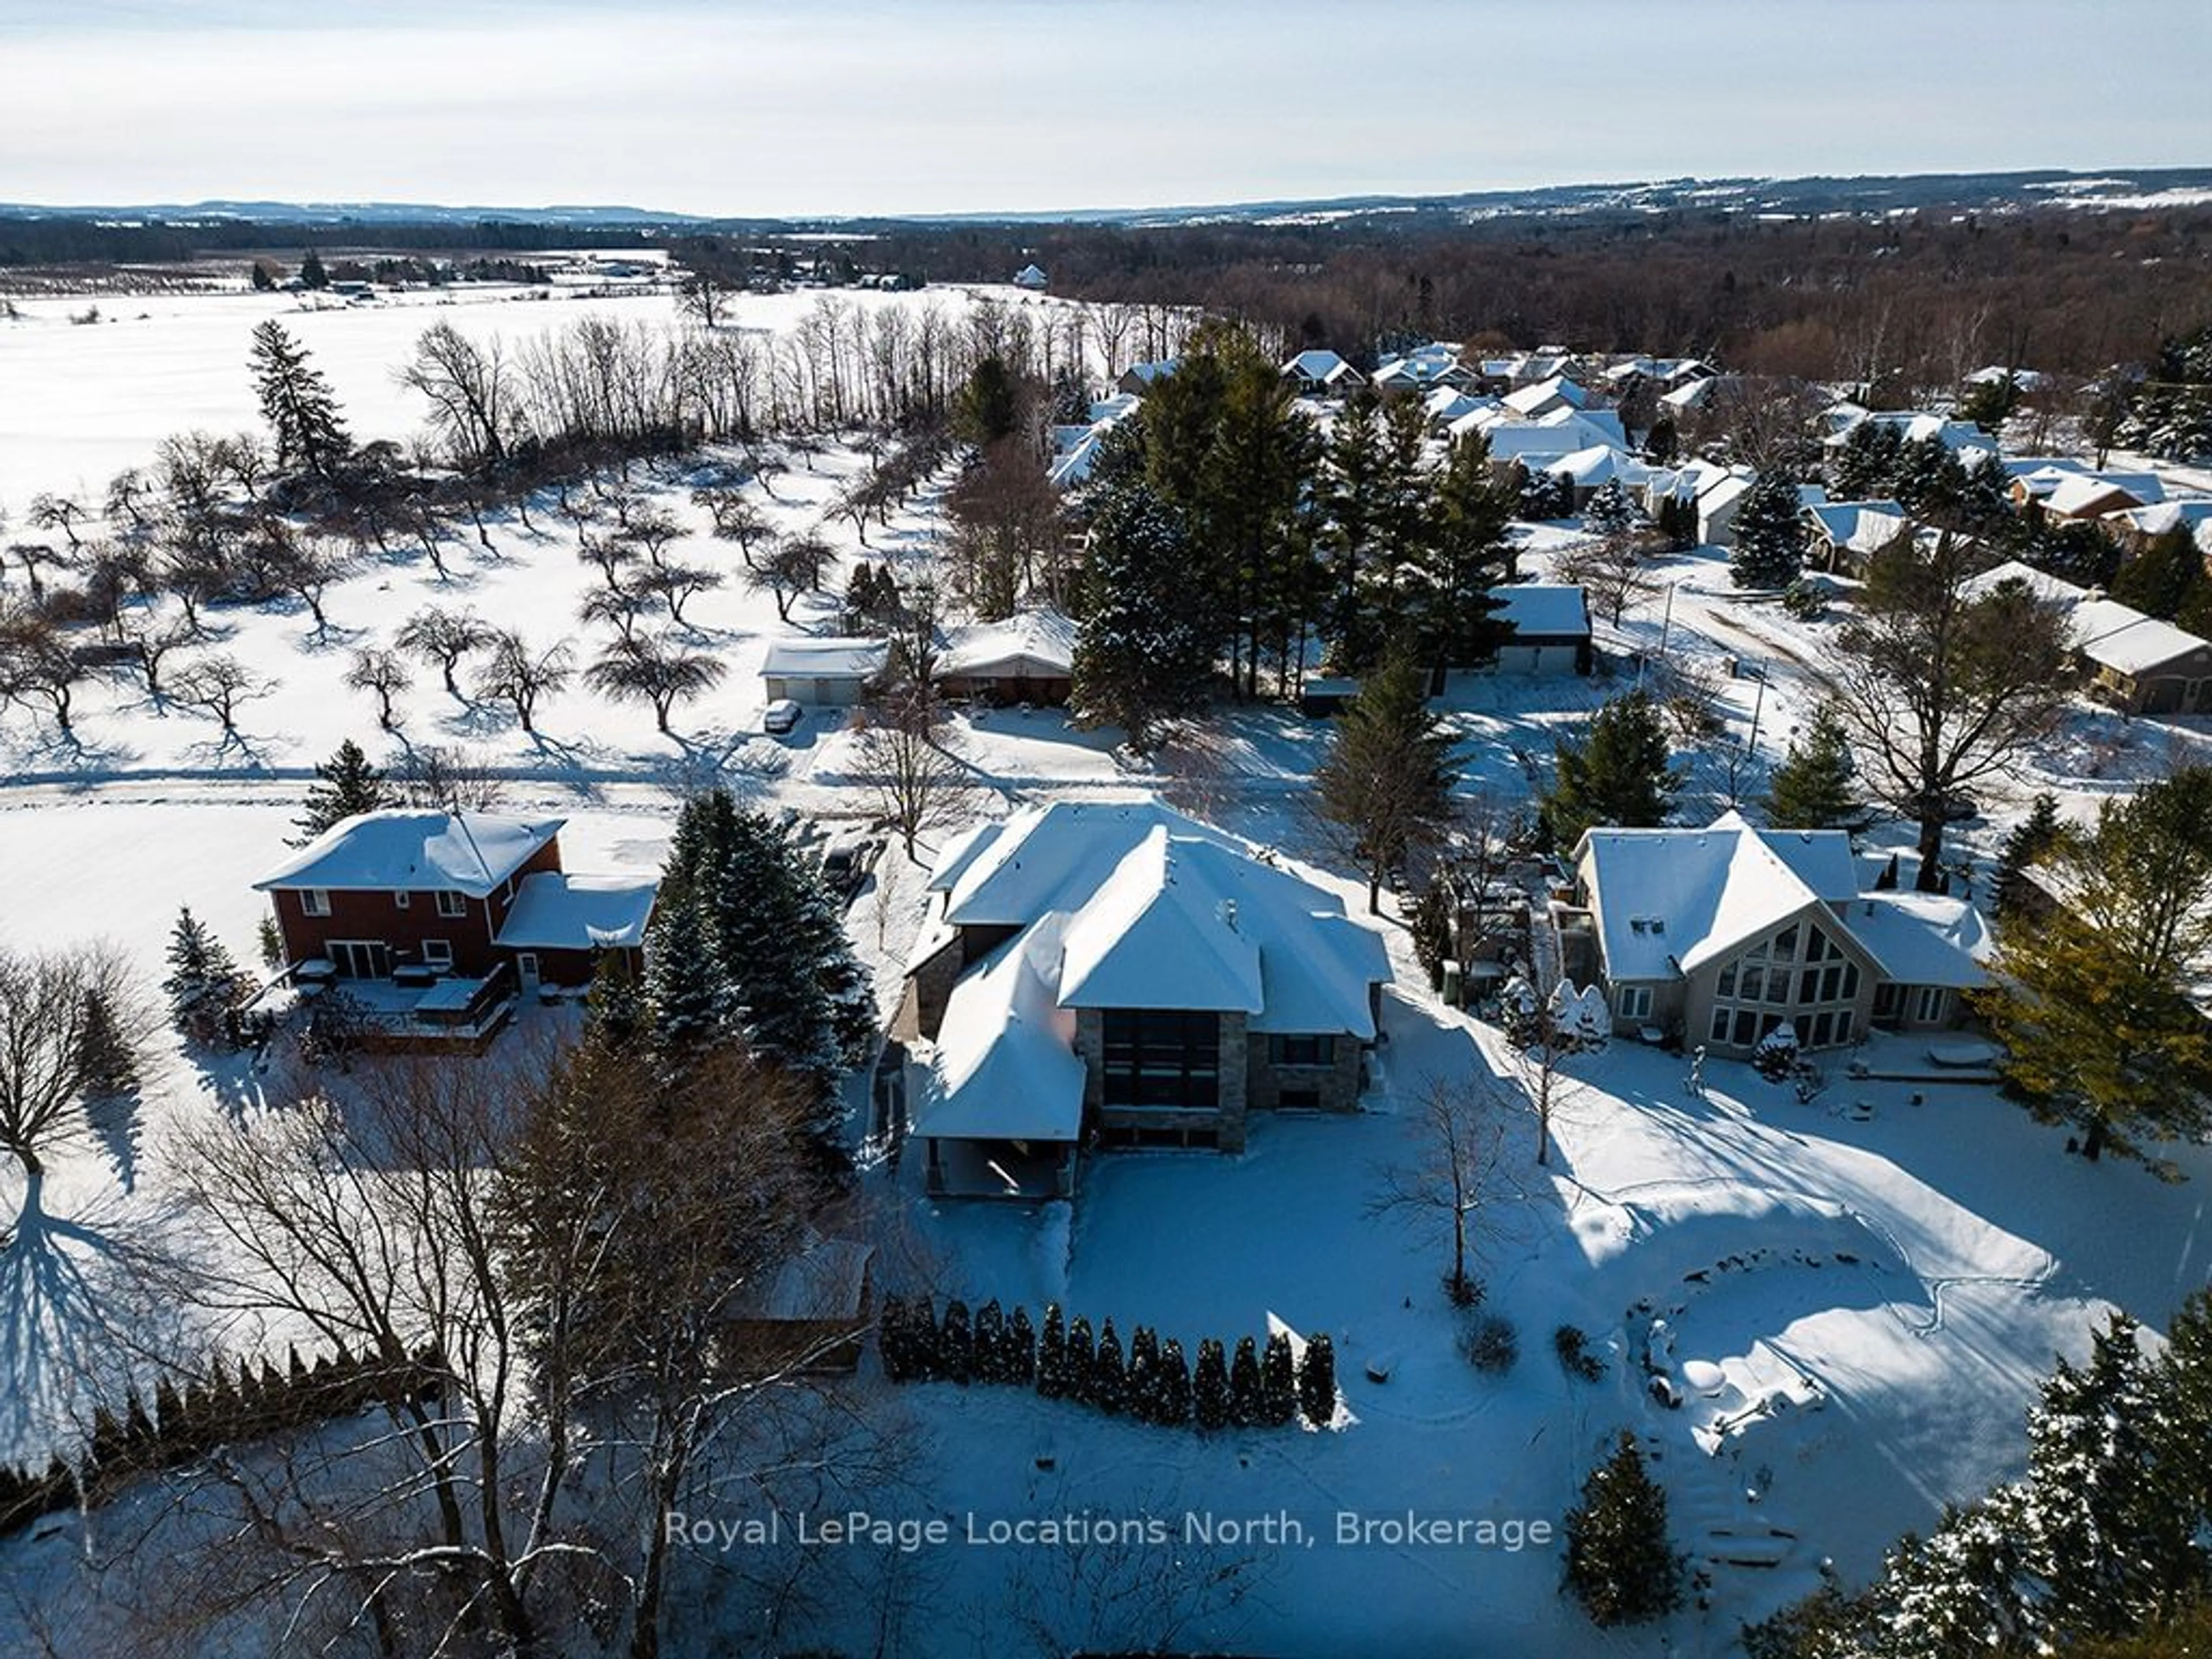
x,y
1228,913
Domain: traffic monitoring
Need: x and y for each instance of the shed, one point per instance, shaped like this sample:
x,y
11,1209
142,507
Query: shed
x,y
1550,629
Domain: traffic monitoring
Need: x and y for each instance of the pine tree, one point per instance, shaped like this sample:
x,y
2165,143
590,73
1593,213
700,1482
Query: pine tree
x,y
1865,465
1813,789
1109,1379
1387,777
1143,654
2094,1002
1769,534
1278,1383
1466,554
1172,1407
1210,1387
956,1344
1619,1562
2025,846
1351,492
345,785
1145,1375
1609,513
297,402
1052,1354
107,1060
203,983
1617,778
990,1343
1246,1408
691,998
1020,1362
1082,1358
1317,1381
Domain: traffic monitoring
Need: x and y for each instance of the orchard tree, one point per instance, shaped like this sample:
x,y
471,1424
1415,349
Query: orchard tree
x,y
442,638
660,672
1769,534
1386,780
1944,682
1618,777
2095,1002
518,674
383,674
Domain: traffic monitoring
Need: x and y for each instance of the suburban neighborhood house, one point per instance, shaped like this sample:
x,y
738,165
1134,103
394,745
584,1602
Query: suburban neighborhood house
x,y
1120,975
416,898
1029,657
1724,934
2133,662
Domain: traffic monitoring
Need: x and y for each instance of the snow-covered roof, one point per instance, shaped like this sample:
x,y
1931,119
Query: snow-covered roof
x,y
2129,643
556,912
1599,464
1863,526
1161,931
1319,367
402,849
2051,590
1447,404
798,657
958,852
1145,374
1665,900
1545,609
1040,641
1004,1066
1923,939
1545,396
2081,493
1053,857
2188,512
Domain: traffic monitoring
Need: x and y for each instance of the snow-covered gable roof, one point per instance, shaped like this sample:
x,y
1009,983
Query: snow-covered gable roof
x,y
1161,932
2186,513
1544,609
1004,1066
1666,901
1319,367
825,659
957,853
405,850
2051,589
2081,492
1145,374
1863,526
556,912
2118,637
1599,464
1923,939
1545,396
1040,641
1447,404
1053,857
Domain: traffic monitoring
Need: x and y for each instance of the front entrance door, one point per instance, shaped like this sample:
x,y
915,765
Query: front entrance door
x,y
525,969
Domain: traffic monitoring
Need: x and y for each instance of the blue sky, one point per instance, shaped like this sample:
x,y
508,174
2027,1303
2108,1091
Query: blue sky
x,y
854,106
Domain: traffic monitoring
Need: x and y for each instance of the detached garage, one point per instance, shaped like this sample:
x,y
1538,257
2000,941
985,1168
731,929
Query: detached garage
x,y
823,672
1550,629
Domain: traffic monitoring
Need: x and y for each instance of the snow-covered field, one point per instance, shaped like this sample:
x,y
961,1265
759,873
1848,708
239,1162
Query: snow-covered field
x,y
1893,1280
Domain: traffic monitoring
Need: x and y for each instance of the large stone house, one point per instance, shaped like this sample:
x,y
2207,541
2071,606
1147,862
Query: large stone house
x,y
1120,975
1721,934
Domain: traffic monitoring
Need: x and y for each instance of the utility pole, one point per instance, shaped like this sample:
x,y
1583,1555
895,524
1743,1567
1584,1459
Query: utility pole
x,y
1666,624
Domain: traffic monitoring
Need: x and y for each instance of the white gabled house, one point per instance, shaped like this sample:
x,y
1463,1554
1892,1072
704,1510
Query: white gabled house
x,y
1321,372
1120,975
1721,934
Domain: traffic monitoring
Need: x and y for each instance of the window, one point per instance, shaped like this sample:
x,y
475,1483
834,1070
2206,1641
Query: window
x,y
1753,986
1929,1004
1163,1057
401,899
451,904
1751,993
315,901
1726,988
1721,1018
1785,943
1634,1002
1302,1050
437,953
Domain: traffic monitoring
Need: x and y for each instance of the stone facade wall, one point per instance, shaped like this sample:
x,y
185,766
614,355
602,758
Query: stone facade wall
x,y
1336,1083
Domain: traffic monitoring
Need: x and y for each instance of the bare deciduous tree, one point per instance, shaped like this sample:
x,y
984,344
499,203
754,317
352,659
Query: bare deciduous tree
x,y
518,675
73,1023
917,778
792,567
442,638
470,386
1452,1173
382,673
657,671
218,684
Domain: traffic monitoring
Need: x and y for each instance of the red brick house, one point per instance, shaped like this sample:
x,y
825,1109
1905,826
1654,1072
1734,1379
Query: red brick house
x,y
460,893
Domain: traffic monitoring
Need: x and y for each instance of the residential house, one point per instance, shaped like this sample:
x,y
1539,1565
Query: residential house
x,y
1120,975
2139,527
1321,374
1031,277
1139,378
1846,534
1423,370
1545,398
2134,662
1029,657
2080,497
1724,933
830,673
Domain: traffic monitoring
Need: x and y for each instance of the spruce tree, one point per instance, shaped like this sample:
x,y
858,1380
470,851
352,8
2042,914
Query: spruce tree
x,y
1317,1381
203,984
1609,513
1052,1354
1278,1383
1619,1562
1246,1408
1813,788
1173,1406
1210,1387
1769,534
956,1344
990,1343
692,1002
1143,654
298,404
1145,1375
1020,1362
345,785
1865,465
1465,555
1387,780
894,1343
106,1058
1617,778
1431,924
922,1344
1082,1358
1109,1379
2025,845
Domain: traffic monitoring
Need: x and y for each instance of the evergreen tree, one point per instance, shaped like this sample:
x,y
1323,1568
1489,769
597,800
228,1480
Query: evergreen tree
x,y
1246,1408
1250,534
1387,780
1813,789
991,1365
312,274
1618,777
956,1344
1769,534
1434,913
203,983
1210,1387
2168,579
1352,496
345,784
269,941
1143,653
892,1343
1678,523
1052,1377
1466,554
1865,465
1278,1383
692,1002
1145,1375
106,1057
2095,1003
1619,1562
922,1340
298,404
1173,1408
1317,1381
615,1012
1020,1361
1610,512
2029,839
1082,1358
1109,1379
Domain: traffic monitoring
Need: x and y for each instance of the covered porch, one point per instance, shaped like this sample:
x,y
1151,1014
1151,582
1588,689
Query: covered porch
x,y
1030,1170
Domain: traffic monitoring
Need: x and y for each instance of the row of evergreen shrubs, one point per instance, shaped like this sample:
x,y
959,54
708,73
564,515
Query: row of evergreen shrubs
x,y
185,1423
1153,1382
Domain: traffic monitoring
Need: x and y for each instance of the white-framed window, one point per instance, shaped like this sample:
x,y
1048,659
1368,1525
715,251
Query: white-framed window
x,y
437,953
451,904
1929,1003
315,901
401,899
1634,1002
